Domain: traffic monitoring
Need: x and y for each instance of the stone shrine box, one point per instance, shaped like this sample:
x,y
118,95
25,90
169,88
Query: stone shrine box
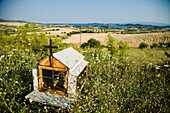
x,y
59,82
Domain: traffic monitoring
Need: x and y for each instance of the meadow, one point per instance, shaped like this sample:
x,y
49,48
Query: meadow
x,y
135,82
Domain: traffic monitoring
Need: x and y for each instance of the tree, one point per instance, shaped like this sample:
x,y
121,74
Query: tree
x,y
111,45
123,46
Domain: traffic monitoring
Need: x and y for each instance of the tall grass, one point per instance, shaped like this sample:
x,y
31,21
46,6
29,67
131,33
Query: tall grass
x,y
124,86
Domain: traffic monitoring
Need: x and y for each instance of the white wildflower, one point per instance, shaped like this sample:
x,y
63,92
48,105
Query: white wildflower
x,y
166,65
45,107
157,67
23,61
9,55
16,82
26,49
1,79
150,63
2,57
158,75
14,49
30,100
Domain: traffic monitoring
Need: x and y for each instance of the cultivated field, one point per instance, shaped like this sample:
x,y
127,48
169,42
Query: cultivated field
x,y
133,40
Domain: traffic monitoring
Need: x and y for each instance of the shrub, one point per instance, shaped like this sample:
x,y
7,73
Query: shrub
x,y
154,45
68,34
164,45
123,46
111,45
143,45
91,43
83,45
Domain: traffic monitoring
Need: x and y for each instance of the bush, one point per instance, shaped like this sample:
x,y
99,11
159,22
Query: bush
x,y
91,43
154,45
111,45
83,45
143,45
164,45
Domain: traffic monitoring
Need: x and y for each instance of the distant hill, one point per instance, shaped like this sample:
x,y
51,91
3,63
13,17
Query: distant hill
x,y
113,25
2,20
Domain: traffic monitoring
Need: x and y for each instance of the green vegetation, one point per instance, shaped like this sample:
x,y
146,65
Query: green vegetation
x,y
160,45
155,45
91,43
78,32
115,47
137,83
143,45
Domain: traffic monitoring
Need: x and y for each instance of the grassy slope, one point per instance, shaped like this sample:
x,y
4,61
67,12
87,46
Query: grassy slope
x,y
113,85
139,83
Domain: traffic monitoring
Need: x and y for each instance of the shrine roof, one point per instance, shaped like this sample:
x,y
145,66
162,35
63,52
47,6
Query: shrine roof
x,y
79,68
69,57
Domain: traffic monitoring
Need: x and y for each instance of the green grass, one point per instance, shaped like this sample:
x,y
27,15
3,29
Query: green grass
x,y
137,83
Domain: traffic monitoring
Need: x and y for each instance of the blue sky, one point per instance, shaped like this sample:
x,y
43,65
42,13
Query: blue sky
x,y
86,11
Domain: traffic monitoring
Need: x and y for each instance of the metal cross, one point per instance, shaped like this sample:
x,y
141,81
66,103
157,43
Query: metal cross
x,y
51,53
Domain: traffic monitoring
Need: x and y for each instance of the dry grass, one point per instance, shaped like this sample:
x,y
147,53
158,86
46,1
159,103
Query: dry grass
x,y
133,40
60,31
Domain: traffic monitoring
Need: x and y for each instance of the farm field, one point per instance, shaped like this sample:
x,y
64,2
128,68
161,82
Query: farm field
x,y
133,40
129,80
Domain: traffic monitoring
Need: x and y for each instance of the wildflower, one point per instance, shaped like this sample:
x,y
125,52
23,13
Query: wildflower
x,y
45,107
150,63
166,65
30,100
26,49
9,55
16,82
1,79
157,67
158,75
2,57
14,49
